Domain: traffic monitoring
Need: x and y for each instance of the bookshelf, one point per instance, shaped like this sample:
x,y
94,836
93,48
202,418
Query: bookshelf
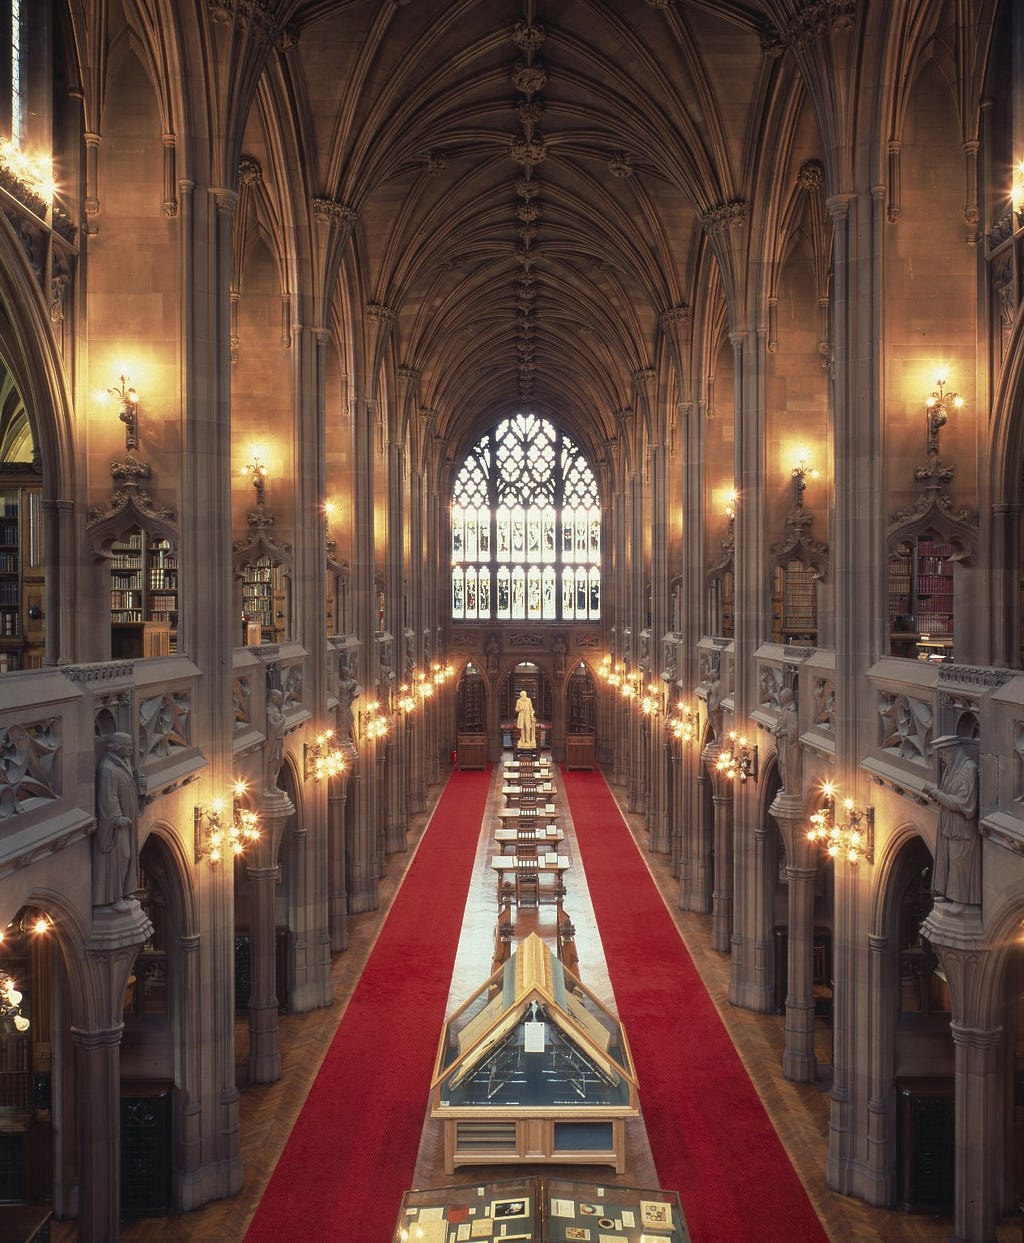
x,y
10,569
143,595
794,604
264,600
21,578
920,596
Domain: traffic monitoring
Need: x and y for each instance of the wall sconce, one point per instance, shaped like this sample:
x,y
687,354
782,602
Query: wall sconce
x,y
731,501
651,701
684,724
406,701
604,669
631,685
216,835
322,760
258,470
10,1006
371,723
801,473
939,405
424,686
128,411
738,759
1017,189
853,836
32,922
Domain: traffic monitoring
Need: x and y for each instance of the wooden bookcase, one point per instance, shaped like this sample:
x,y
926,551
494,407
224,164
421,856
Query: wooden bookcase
x,y
258,597
21,577
143,595
794,604
920,597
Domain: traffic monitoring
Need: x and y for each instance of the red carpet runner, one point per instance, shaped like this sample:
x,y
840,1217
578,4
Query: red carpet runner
x,y
352,1151
711,1138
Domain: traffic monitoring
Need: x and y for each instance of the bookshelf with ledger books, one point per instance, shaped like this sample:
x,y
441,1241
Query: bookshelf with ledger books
x,y
263,602
143,595
21,578
794,604
921,599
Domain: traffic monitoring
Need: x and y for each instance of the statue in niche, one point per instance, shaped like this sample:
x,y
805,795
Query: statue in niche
x,y
526,721
273,747
492,651
714,701
115,855
787,742
956,877
559,649
348,691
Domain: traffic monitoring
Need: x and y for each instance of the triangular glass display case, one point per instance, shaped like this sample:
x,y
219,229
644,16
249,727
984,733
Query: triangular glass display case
x,y
533,1068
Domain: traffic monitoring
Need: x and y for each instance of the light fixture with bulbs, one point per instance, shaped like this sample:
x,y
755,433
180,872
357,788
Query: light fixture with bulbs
x,y
802,471
372,722
847,833
10,1005
939,406
651,700
220,834
257,470
683,723
737,758
321,759
128,410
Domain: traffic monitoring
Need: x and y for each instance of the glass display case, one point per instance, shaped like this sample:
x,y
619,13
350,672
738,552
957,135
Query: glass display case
x,y
533,1068
543,1210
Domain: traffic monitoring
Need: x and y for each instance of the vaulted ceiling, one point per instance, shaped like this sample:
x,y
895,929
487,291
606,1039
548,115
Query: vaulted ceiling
x,y
532,180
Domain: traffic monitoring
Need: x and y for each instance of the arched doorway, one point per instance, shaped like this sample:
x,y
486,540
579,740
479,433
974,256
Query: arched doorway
x,y
580,715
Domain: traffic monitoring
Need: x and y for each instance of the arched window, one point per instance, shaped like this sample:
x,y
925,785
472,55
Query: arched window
x,y
526,517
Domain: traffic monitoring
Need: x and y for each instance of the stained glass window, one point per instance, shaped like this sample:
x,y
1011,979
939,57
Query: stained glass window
x,y
526,520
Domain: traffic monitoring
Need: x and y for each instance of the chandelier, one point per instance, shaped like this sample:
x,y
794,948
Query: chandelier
x,y
218,834
737,759
851,834
10,1005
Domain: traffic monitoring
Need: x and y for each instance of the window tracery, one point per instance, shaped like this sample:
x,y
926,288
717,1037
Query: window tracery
x,y
526,527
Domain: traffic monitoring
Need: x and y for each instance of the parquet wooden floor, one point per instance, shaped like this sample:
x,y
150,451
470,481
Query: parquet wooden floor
x,y
799,1112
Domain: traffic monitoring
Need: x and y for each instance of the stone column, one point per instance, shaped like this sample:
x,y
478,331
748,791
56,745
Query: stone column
x,y
978,1104
721,897
110,953
798,1061
697,887
264,1050
882,983
337,898
958,937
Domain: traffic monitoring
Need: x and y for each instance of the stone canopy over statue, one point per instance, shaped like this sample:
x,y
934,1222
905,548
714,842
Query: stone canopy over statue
x,y
526,721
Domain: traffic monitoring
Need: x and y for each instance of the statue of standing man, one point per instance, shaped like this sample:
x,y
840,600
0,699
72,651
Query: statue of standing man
x,y
957,872
526,721
787,742
115,853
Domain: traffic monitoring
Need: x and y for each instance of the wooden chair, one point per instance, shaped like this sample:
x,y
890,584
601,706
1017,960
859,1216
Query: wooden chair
x,y
527,888
504,931
526,841
567,954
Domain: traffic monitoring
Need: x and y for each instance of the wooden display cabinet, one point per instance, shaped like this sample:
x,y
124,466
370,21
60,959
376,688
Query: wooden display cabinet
x,y
472,751
579,750
533,1068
